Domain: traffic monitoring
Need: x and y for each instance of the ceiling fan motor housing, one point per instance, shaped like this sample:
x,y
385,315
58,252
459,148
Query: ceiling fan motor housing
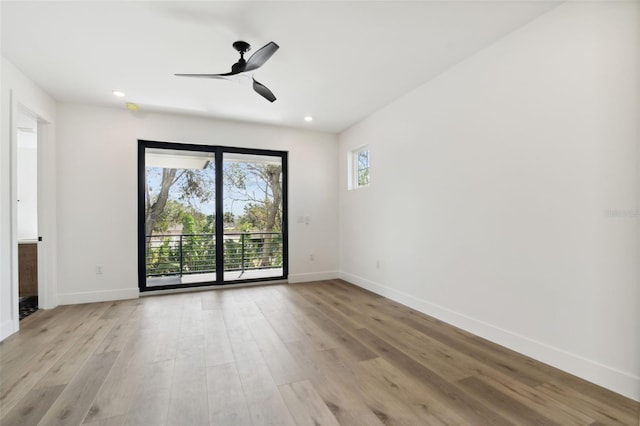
x,y
241,46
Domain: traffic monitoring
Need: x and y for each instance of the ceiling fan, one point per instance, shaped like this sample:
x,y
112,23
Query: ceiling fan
x,y
242,68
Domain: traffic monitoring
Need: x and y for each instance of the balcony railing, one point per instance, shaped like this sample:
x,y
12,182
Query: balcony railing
x,y
184,254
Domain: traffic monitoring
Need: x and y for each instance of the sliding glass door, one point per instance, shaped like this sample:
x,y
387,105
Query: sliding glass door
x,y
179,216
253,216
210,215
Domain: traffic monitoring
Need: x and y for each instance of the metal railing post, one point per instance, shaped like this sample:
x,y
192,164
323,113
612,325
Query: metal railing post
x,y
242,250
181,257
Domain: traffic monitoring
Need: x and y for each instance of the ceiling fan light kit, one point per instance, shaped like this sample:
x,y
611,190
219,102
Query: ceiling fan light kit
x,y
243,66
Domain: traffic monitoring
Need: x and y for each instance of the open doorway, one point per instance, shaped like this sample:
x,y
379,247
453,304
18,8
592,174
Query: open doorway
x,y
27,212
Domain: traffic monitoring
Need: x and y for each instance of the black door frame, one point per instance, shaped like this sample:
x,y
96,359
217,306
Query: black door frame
x,y
219,152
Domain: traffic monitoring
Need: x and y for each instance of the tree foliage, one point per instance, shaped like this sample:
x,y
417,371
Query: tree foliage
x,y
260,186
191,186
176,201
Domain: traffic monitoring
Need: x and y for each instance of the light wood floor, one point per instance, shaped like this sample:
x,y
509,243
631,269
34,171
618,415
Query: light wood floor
x,y
321,353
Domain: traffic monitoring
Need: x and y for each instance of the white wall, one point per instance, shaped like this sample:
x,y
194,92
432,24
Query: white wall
x,y
504,194
27,185
97,193
19,93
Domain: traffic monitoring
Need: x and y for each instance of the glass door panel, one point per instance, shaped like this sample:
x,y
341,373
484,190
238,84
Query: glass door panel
x,y
179,217
253,216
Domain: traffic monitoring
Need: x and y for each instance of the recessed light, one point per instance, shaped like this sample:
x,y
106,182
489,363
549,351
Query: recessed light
x,y
308,118
118,93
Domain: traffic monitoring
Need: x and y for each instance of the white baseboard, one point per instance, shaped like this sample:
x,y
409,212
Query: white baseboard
x,y
209,288
8,328
97,296
605,376
313,276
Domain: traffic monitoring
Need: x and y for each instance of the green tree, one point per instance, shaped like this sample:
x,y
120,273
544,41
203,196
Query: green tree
x,y
264,196
254,217
174,201
192,186
171,215
229,218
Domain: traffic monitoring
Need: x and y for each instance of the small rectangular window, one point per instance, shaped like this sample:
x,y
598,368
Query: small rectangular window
x,y
360,165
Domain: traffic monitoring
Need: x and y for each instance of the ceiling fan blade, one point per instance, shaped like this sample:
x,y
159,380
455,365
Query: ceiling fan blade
x,y
261,56
263,91
220,76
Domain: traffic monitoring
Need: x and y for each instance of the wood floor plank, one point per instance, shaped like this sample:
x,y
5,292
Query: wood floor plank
x,y
19,377
522,368
344,401
150,406
341,315
120,386
598,410
237,330
508,407
427,403
614,402
261,393
120,310
252,370
189,403
346,339
126,319
69,364
32,407
287,328
155,345
72,405
382,402
282,366
227,404
40,324
21,348
489,355
217,347
338,335
537,400
117,337
467,406
31,335
111,421
191,323
268,408
212,300
306,406
313,333
450,364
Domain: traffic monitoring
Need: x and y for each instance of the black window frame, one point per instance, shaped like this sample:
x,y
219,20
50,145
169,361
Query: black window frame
x,y
219,152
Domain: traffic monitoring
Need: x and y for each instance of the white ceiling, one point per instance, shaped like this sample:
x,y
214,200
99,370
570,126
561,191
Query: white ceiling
x,y
339,61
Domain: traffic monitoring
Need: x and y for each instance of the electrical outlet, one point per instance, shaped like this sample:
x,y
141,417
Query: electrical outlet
x,y
377,264
311,257
98,270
